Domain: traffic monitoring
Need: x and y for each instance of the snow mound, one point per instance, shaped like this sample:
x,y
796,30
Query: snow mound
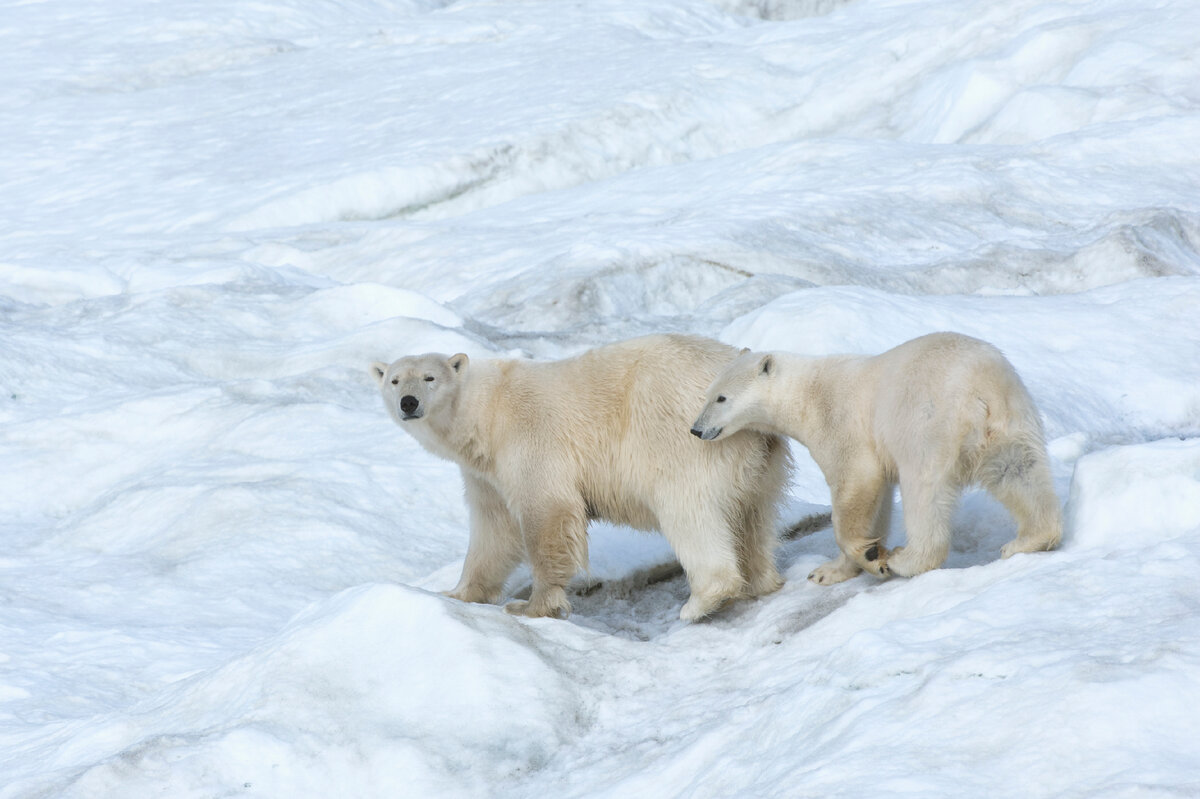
x,y
346,308
1126,497
388,687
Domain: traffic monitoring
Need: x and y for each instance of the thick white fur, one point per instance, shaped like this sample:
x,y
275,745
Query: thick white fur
x,y
543,447
934,414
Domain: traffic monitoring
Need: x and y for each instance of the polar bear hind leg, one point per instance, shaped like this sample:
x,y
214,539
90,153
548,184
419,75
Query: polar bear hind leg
x,y
755,517
704,544
756,537
1019,477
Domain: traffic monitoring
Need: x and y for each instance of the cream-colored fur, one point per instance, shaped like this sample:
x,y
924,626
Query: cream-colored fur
x,y
934,414
543,447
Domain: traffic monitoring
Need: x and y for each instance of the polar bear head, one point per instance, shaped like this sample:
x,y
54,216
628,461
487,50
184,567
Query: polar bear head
x,y
739,398
420,386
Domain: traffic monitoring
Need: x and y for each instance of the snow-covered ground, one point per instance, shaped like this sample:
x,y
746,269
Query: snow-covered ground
x,y
220,559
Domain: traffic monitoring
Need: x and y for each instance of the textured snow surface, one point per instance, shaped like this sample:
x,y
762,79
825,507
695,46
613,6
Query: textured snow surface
x,y
221,559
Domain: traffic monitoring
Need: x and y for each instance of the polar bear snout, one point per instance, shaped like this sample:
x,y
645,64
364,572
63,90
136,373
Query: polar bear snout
x,y
409,405
703,428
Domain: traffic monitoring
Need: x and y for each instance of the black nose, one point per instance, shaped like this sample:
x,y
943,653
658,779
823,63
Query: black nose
x,y
697,432
408,403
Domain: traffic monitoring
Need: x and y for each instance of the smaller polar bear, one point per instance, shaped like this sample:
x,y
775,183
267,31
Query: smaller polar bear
x,y
935,414
545,446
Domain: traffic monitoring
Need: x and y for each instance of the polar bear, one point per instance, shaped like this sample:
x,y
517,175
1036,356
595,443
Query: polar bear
x,y
545,446
935,414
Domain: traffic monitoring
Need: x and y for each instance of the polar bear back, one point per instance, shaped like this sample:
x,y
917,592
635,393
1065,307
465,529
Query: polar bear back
x,y
613,425
948,391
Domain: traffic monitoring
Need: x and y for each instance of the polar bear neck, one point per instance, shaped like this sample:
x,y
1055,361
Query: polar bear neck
x,y
461,431
810,396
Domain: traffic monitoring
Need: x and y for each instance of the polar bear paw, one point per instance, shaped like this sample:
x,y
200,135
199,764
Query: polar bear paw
x,y
1019,545
698,608
471,594
766,582
552,603
876,558
837,570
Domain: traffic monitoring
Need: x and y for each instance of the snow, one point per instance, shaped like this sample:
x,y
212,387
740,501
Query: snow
x,y
1127,497
221,559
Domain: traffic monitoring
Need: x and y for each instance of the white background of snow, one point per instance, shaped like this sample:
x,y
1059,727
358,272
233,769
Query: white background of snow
x,y
220,558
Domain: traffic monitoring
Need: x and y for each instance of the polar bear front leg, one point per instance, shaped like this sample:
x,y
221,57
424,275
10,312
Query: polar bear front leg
x,y
857,504
556,543
928,506
495,546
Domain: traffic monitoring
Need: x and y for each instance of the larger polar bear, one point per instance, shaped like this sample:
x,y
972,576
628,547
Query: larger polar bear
x,y
935,414
544,447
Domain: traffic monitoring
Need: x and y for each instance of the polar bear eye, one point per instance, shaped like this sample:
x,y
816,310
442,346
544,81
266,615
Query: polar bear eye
x,y
429,379
720,398
395,381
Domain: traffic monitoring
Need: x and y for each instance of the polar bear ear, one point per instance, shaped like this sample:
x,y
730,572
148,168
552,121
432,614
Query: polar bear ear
x,y
766,365
458,362
379,369
744,350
